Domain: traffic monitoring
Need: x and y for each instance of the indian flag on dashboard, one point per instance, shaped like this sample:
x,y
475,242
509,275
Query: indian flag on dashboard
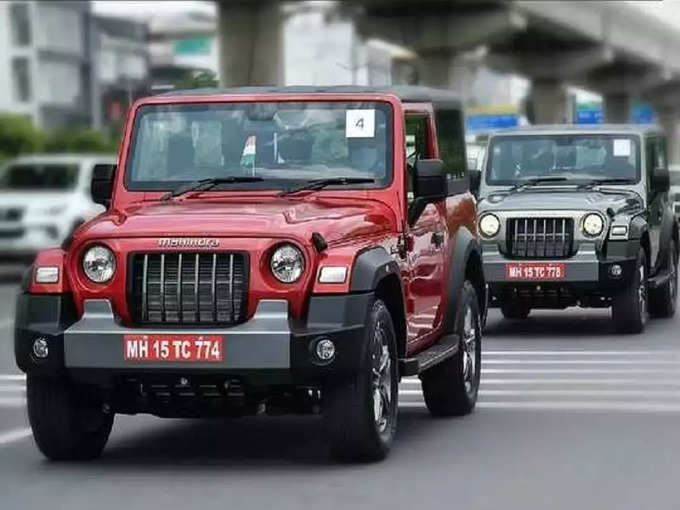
x,y
248,156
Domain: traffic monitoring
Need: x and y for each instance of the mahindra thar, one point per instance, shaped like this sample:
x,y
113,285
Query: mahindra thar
x,y
579,215
264,250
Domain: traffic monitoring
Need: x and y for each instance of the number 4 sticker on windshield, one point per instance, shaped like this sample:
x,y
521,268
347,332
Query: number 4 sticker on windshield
x,y
360,124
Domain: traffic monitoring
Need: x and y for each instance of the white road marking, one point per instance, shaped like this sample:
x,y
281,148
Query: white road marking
x,y
14,435
579,353
647,407
616,381
12,377
12,388
580,371
12,402
579,362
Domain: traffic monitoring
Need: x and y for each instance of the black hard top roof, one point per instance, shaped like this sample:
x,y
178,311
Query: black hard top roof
x,y
553,129
407,93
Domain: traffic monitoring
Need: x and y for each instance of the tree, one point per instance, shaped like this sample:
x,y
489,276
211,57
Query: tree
x,y
18,135
198,79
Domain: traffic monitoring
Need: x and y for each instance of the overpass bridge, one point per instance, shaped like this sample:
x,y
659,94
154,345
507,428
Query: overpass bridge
x,y
609,47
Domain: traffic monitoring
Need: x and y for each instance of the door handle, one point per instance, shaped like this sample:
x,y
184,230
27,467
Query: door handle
x,y
437,239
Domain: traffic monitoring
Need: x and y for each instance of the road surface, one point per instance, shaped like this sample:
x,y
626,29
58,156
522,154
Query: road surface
x,y
570,416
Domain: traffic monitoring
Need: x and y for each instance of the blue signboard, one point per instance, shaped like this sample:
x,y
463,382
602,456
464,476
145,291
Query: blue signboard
x,y
642,113
491,121
589,113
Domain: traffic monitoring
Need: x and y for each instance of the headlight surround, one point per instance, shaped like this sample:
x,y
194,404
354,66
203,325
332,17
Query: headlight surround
x,y
592,224
489,225
99,264
287,263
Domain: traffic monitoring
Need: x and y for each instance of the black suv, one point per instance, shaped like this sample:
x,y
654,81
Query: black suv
x,y
574,215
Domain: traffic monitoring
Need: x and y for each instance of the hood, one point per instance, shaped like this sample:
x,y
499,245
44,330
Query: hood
x,y
334,219
559,199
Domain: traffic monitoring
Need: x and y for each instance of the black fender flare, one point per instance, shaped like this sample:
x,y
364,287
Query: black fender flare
x,y
465,244
370,267
669,231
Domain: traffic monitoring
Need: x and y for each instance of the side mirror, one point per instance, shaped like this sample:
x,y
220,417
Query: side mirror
x,y
429,185
475,180
430,181
101,186
661,180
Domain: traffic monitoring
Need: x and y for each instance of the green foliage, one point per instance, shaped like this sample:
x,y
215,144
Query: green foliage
x,y
81,140
197,80
18,135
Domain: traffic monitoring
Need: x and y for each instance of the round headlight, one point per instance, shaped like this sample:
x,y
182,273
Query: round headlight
x,y
489,225
99,264
593,224
287,263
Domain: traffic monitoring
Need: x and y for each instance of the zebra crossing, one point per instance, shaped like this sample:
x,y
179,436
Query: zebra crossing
x,y
607,380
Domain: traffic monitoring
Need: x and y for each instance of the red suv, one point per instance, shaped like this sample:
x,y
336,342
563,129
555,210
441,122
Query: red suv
x,y
263,250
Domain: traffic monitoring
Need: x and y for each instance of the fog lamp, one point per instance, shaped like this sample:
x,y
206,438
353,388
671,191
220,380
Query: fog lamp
x,y
40,348
325,350
615,270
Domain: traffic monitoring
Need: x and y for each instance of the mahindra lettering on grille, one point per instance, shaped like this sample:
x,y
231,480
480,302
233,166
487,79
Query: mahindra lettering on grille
x,y
188,242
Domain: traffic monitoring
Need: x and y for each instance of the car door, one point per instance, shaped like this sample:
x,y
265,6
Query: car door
x,y
655,157
426,247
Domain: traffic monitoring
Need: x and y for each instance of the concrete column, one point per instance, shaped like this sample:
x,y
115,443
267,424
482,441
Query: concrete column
x,y
669,120
548,103
617,108
448,71
251,43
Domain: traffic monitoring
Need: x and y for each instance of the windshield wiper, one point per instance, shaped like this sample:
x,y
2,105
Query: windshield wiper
x,y
597,182
318,184
206,184
537,180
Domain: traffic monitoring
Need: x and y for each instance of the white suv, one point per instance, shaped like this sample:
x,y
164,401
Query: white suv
x,y
43,198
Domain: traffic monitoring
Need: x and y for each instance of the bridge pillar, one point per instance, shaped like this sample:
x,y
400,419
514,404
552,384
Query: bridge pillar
x,y
251,43
669,120
447,70
617,108
548,103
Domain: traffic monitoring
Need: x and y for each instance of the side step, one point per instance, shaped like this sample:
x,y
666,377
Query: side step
x,y
446,347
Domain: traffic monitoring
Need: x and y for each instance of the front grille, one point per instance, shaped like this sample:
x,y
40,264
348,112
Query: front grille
x,y
189,288
14,233
540,238
11,214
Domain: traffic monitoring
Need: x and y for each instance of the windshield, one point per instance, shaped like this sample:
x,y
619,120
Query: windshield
x,y
286,144
576,158
39,177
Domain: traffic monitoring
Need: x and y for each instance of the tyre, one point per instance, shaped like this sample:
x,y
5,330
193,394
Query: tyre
x,y
67,424
450,388
662,301
515,311
629,308
360,415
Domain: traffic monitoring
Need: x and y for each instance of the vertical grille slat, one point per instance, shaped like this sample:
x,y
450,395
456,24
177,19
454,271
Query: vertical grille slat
x,y
189,288
145,267
162,287
539,238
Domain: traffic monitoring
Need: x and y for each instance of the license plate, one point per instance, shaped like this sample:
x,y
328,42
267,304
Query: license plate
x,y
535,271
201,348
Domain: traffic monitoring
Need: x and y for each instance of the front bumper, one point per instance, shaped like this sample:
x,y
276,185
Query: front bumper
x,y
269,348
586,272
